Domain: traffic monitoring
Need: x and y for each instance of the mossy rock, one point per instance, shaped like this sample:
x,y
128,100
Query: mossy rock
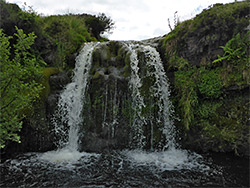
x,y
223,125
202,36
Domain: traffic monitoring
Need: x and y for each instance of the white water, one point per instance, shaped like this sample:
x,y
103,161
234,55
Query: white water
x,y
160,90
138,102
64,155
170,158
70,105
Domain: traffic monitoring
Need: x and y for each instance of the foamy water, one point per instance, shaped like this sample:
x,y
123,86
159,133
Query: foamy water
x,y
62,155
172,159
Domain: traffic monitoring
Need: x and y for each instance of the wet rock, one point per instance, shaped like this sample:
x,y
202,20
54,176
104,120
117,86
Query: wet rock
x,y
57,84
59,81
105,126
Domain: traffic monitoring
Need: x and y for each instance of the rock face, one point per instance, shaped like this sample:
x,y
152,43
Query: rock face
x,y
211,99
57,83
106,126
125,101
199,40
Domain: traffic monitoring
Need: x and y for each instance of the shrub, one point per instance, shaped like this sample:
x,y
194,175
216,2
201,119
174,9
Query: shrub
x,y
19,87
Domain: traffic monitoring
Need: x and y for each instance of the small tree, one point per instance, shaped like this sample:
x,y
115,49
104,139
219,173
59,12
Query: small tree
x,y
99,24
19,72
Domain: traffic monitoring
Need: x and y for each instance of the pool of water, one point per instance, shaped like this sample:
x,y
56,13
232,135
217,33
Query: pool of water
x,y
124,169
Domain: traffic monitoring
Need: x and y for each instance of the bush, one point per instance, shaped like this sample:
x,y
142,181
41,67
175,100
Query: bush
x,y
19,87
99,24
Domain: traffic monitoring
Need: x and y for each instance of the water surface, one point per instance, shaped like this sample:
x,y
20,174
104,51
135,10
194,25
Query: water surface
x,y
124,169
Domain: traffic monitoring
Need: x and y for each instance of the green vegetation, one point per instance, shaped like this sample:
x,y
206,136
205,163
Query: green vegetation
x,y
209,84
185,83
69,32
201,90
28,60
235,62
210,93
58,37
19,77
236,50
193,39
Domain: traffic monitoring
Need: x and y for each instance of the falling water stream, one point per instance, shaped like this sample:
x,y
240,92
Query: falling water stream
x,y
69,114
168,167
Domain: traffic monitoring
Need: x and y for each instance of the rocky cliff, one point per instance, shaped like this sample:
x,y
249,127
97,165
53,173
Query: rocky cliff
x,y
207,59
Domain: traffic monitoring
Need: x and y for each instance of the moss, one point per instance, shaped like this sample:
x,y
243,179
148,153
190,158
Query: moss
x,y
47,72
209,84
225,123
212,28
127,71
96,75
186,87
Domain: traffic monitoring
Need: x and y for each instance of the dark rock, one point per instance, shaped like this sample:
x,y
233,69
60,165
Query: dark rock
x,y
105,126
58,81
51,102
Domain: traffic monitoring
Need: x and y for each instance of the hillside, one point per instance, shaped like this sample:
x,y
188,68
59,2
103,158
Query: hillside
x,y
207,59
59,37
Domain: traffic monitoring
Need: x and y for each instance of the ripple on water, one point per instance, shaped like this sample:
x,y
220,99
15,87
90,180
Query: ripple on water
x,y
128,168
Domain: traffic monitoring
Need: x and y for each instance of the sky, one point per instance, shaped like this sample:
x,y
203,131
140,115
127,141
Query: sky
x,y
134,19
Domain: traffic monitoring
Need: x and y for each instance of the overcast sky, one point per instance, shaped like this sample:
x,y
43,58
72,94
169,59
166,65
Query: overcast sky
x,y
134,19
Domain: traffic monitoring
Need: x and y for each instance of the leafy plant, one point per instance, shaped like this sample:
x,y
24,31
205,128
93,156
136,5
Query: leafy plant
x,y
235,62
185,82
236,50
208,109
19,87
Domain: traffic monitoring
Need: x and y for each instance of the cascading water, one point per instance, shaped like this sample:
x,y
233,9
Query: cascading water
x,y
68,118
138,103
159,89
159,94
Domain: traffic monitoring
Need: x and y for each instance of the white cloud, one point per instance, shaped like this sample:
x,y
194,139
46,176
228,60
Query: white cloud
x,y
134,19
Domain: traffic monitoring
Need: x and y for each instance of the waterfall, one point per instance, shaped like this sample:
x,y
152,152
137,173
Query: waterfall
x,y
160,90
69,115
138,139
151,109
148,119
